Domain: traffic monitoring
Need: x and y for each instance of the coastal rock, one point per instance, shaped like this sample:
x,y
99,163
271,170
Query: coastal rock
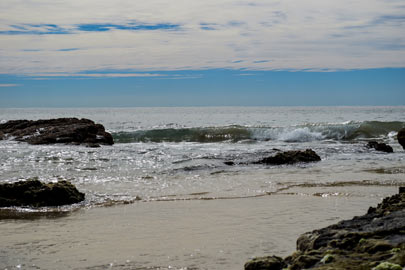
x,y
229,163
371,241
61,130
37,194
401,137
290,157
265,263
380,147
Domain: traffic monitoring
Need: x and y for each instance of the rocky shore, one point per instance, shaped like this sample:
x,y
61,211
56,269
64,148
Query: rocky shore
x,y
375,240
52,131
34,193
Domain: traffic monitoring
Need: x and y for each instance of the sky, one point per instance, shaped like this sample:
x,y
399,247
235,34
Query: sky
x,y
105,53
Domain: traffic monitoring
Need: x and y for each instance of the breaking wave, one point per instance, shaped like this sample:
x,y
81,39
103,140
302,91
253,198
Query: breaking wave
x,y
302,133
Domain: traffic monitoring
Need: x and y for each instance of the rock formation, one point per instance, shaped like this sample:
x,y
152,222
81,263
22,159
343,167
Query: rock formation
x,y
382,147
290,157
37,194
61,130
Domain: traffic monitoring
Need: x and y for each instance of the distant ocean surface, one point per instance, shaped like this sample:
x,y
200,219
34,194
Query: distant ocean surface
x,y
162,198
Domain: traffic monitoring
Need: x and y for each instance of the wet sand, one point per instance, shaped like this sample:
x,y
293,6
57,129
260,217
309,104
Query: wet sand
x,y
196,234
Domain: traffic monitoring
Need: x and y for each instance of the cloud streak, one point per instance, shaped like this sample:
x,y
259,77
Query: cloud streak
x,y
97,75
8,85
53,29
131,26
35,29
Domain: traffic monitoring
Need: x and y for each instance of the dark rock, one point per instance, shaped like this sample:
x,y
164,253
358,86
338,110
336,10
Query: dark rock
x,y
380,147
229,163
37,194
61,130
265,263
401,137
290,157
363,242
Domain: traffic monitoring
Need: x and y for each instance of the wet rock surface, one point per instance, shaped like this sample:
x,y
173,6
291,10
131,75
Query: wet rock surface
x,y
375,240
52,131
401,137
37,194
382,147
270,262
290,157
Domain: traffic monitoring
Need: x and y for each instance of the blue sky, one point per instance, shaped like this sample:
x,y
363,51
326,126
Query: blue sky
x,y
188,53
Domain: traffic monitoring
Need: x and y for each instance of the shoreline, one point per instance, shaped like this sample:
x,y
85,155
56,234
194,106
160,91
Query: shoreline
x,y
374,240
201,234
195,211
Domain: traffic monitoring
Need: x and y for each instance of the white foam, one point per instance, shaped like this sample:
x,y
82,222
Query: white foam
x,y
300,135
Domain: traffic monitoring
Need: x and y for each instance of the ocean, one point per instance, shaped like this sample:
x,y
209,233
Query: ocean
x,y
162,196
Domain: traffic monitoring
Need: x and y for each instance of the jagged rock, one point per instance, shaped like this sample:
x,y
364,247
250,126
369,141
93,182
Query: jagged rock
x,y
380,147
37,194
364,242
61,130
290,157
401,137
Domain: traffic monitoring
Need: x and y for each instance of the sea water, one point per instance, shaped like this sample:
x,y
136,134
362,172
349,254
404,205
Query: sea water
x,y
162,196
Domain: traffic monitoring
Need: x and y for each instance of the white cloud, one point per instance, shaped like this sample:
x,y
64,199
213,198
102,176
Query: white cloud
x,y
8,85
292,34
97,75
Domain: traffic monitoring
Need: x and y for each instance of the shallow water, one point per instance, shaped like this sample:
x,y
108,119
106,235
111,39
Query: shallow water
x,y
216,234
166,200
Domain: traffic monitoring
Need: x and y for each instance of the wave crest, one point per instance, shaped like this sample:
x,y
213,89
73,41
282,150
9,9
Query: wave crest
x,y
303,133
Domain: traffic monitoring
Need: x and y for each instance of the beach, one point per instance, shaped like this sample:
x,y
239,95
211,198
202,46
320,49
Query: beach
x,y
162,197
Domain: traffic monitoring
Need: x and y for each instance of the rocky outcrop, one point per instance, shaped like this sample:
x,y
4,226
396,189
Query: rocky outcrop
x,y
375,240
401,137
290,157
37,194
382,147
61,130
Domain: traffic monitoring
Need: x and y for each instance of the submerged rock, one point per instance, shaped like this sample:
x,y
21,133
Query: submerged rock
x,y
229,163
61,130
401,137
380,147
290,157
375,240
37,194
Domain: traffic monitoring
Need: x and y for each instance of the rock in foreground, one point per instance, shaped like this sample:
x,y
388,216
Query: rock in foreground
x,y
290,157
61,130
37,194
401,137
375,241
